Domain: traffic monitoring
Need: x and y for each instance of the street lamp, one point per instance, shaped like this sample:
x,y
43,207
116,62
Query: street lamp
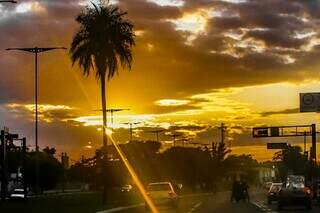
x,y
111,112
36,51
174,135
131,124
156,132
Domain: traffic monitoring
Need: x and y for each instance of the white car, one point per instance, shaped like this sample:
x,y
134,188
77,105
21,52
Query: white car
x,y
126,188
163,194
17,194
273,192
267,185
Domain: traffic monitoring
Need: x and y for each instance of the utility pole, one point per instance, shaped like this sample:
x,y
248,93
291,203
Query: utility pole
x,y
111,113
130,126
3,166
24,164
184,140
314,143
223,129
115,110
36,51
156,132
304,142
174,135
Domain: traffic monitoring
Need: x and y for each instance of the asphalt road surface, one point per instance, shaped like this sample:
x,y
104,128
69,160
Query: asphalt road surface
x,y
260,201
219,203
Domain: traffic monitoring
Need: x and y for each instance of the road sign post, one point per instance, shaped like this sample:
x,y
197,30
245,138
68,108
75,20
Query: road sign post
x,y
7,138
310,102
3,165
314,143
290,131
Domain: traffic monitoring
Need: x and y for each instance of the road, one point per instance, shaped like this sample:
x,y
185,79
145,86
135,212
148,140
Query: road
x,y
219,202
260,201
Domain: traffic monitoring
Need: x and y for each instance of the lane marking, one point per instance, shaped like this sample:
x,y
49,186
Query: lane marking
x,y
263,207
121,208
195,207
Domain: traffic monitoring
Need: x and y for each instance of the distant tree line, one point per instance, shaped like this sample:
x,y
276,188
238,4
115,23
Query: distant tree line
x,y
292,160
203,168
50,169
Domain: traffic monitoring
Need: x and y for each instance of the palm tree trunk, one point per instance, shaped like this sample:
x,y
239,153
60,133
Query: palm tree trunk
x,y
104,111
105,139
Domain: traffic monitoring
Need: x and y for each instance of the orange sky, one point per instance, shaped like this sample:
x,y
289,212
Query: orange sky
x,y
196,64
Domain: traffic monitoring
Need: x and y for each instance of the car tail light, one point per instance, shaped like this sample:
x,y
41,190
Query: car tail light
x,y
307,190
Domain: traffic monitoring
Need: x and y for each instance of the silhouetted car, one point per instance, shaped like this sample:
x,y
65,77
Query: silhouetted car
x,y
273,192
317,191
295,193
163,194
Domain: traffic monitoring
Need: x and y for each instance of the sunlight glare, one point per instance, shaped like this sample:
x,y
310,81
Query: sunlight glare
x,y
109,132
171,102
173,3
134,176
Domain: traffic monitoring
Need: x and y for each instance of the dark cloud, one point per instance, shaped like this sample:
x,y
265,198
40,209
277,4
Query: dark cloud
x,y
220,57
172,63
276,38
145,10
281,112
47,113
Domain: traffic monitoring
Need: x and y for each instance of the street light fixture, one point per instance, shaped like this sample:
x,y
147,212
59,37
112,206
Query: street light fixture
x,y
156,132
36,51
174,135
112,111
131,124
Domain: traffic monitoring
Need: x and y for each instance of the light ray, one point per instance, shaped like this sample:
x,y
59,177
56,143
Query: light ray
x,y
134,175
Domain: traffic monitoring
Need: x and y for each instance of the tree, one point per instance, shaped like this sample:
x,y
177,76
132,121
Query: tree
x,y
292,160
103,42
242,165
50,170
50,151
219,153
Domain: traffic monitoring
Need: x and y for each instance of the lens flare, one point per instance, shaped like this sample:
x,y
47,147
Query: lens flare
x,y
109,132
134,176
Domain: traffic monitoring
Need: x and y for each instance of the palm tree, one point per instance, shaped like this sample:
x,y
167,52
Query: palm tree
x,y
103,43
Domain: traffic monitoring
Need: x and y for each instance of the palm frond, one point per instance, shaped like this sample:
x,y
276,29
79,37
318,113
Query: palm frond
x,y
104,41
